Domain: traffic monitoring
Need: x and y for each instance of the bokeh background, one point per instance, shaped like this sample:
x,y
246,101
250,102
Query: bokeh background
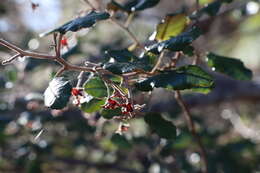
x,y
72,141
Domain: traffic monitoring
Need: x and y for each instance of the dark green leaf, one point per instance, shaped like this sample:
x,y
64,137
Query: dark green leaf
x,y
162,127
229,66
96,87
120,55
57,95
110,113
135,5
145,64
92,105
121,141
82,22
186,77
171,26
188,50
178,43
210,9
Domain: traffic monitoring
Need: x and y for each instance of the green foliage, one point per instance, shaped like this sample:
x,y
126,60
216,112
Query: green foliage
x,y
110,113
57,95
178,43
120,55
120,141
95,87
171,26
186,77
143,64
82,22
210,9
229,66
162,127
135,5
92,105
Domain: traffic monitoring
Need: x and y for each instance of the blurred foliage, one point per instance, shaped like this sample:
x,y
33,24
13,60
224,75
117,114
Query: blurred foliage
x,y
34,139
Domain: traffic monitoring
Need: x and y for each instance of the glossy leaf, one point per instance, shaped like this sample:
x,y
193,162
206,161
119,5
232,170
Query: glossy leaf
x,y
229,66
82,22
171,26
96,87
110,113
162,127
186,77
178,43
120,55
57,95
93,105
144,64
135,5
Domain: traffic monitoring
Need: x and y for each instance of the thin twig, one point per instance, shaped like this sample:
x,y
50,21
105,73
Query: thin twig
x,y
80,78
192,129
129,19
128,32
37,55
90,4
188,118
158,62
11,59
60,71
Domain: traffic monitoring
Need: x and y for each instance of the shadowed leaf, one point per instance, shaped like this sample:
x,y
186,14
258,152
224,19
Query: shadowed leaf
x,y
229,66
178,43
162,127
144,64
186,77
120,141
120,55
110,113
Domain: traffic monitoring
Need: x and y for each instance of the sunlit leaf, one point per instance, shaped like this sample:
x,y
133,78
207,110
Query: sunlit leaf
x,y
186,77
57,95
162,127
82,22
96,87
92,105
229,66
171,26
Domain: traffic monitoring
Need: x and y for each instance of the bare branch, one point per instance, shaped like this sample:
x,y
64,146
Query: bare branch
x,y
191,126
61,61
128,32
11,59
158,62
129,19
